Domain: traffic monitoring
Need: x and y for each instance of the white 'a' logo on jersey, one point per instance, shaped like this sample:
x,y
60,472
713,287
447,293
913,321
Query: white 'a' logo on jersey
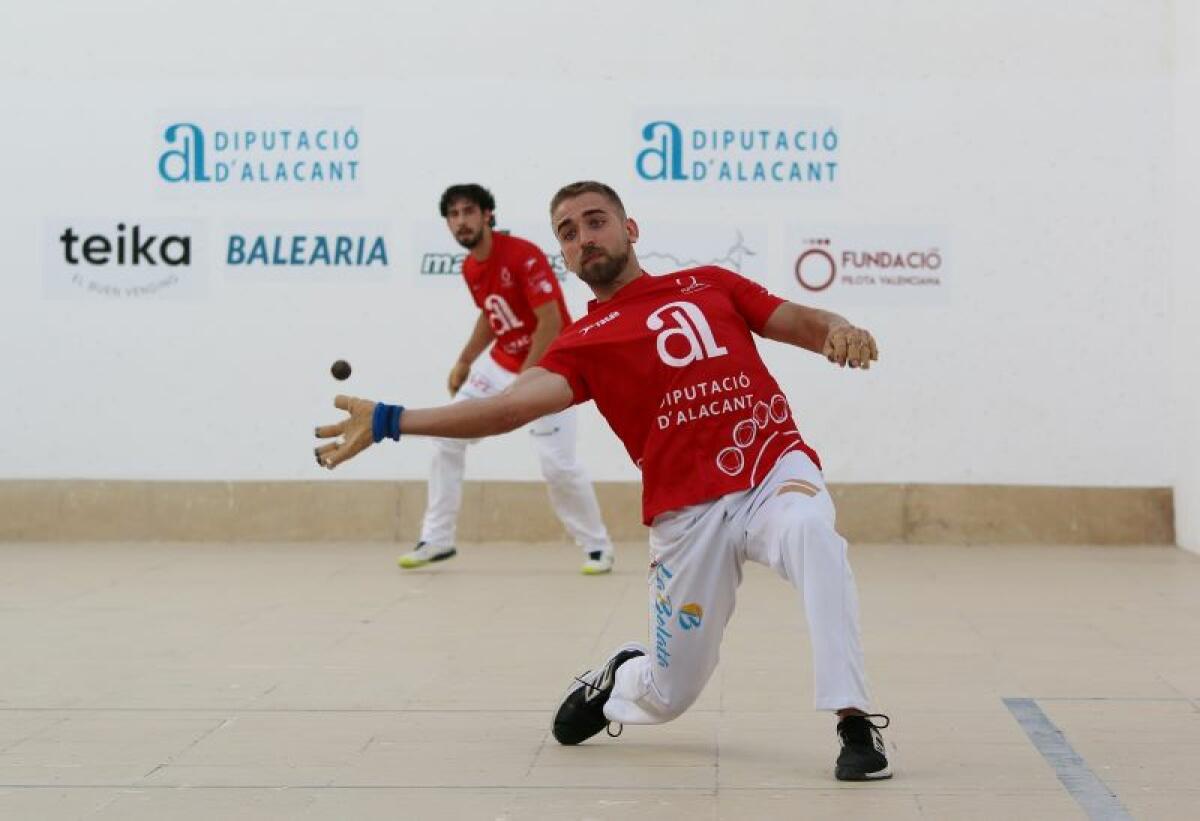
x,y
501,316
692,327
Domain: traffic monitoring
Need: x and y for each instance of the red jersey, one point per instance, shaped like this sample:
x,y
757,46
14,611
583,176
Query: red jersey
x,y
671,363
515,279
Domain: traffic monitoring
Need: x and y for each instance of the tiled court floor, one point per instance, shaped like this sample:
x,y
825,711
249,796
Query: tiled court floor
x,y
189,681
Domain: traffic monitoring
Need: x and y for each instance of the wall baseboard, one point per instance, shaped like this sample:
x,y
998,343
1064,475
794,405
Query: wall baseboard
x,y
338,511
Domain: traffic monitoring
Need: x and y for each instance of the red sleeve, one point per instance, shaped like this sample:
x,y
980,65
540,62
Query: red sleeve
x,y
754,302
537,277
564,361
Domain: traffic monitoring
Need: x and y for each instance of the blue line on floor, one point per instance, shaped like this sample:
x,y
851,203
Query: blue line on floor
x,y
1093,795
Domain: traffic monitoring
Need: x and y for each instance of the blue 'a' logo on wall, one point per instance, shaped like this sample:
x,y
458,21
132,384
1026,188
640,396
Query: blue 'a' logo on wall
x,y
184,161
663,159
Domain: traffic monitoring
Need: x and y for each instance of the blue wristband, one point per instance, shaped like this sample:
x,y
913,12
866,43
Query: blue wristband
x,y
385,422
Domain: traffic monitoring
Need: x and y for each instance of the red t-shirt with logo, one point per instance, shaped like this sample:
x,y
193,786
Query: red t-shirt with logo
x,y
671,364
515,279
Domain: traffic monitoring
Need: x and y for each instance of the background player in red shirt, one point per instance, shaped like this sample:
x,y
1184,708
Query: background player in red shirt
x,y
521,311
671,362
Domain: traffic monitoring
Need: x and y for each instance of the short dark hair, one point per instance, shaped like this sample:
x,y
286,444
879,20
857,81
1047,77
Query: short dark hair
x,y
472,192
576,189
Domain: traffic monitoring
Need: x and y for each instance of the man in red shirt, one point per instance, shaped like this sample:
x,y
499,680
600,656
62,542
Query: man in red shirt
x,y
672,364
521,311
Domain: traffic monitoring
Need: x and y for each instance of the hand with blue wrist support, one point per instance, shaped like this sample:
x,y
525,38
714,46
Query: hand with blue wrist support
x,y
385,422
366,423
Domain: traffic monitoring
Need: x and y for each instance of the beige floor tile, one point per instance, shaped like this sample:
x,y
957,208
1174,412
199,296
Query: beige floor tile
x,y
1027,806
1084,676
206,804
17,727
970,767
277,774
20,803
97,748
850,803
1115,720
438,767
620,776
612,804
1161,804
1125,766
320,681
1182,673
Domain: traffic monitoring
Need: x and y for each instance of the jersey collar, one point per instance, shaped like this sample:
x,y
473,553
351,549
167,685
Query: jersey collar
x,y
628,289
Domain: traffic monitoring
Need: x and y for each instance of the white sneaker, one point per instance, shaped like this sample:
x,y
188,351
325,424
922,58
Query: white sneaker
x,y
425,553
598,562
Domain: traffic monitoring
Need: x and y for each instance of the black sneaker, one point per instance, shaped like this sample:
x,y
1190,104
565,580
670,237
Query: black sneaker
x,y
862,757
581,715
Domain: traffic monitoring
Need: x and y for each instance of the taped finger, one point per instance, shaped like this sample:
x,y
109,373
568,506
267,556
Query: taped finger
x,y
324,453
839,348
859,352
335,457
327,431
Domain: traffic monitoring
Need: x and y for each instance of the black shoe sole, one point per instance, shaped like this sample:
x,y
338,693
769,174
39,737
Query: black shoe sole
x,y
567,730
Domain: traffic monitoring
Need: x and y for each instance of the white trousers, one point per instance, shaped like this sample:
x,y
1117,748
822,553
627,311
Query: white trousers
x,y
571,492
697,552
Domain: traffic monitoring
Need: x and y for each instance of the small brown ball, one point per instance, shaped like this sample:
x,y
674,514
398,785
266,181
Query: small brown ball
x,y
340,369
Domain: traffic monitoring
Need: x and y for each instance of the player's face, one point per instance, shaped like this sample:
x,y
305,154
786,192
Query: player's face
x,y
596,238
466,222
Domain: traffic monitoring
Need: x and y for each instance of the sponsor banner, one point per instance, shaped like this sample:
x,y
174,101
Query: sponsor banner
x,y
253,152
883,265
305,251
438,258
666,247
123,258
735,149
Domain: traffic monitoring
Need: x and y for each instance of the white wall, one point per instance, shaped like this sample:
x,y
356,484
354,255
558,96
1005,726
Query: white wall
x,y
1186,293
1029,141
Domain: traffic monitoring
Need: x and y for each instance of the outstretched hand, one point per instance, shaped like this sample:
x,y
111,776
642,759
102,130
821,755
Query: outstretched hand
x,y
355,431
847,345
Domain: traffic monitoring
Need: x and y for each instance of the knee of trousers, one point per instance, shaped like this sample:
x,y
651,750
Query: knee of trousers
x,y
807,531
558,471
675,701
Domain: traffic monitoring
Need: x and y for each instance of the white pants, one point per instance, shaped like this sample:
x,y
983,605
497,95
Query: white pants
x,y
786,523
571,491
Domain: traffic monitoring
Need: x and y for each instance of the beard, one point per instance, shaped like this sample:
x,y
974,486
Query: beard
x,y
602,268
468,240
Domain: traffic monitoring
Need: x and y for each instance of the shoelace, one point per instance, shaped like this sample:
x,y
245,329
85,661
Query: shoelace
x,y
605,676
867,719
580,678
608,728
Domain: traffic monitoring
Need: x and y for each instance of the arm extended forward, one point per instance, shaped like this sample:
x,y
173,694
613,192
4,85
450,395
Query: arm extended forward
x,y
535,393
